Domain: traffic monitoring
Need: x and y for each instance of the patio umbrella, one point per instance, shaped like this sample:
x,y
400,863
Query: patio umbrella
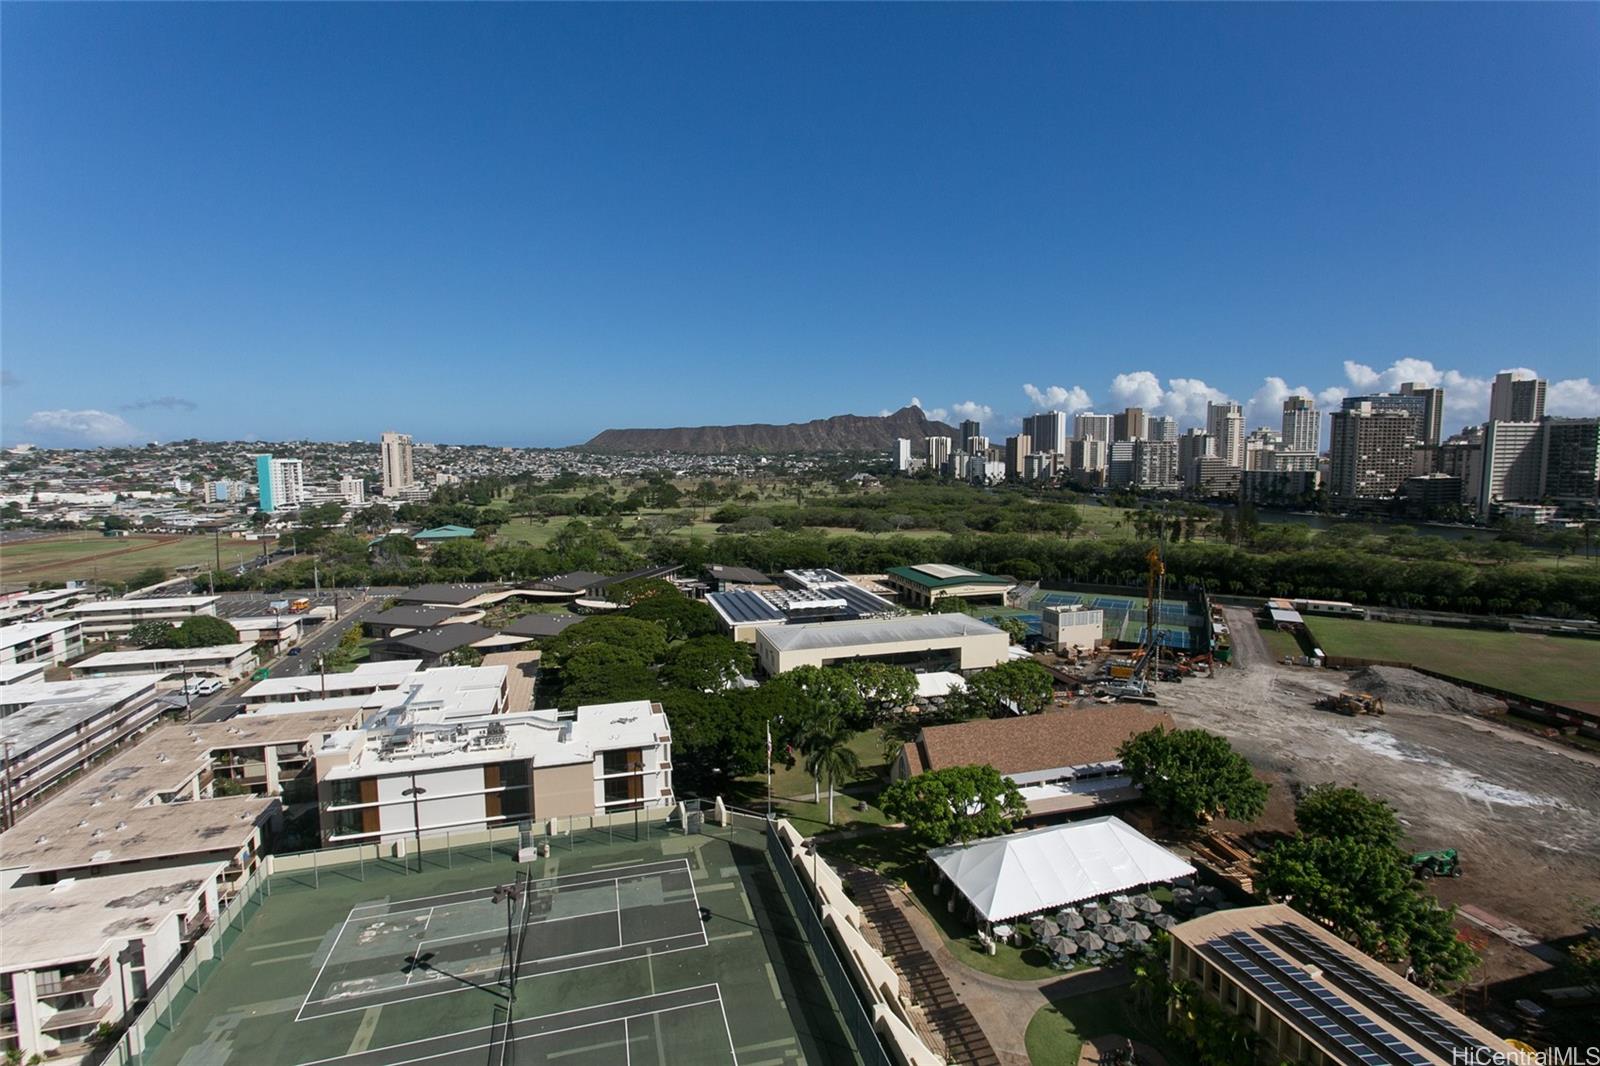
x,y
1099,917
1164,921
1139,932
1043,928
1123,910
1071,920
1148,904
1115,934
1062,946
1089,941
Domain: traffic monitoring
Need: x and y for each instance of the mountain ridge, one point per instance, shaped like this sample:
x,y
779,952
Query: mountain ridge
x,y
839,433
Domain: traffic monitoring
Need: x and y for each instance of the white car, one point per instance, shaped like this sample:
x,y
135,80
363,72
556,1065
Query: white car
x,y
203,686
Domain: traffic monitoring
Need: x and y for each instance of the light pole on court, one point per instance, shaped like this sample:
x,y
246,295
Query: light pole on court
x,y
415,793
510,894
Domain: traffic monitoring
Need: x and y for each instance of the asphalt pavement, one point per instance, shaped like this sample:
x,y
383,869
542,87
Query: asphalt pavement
x,y
221,706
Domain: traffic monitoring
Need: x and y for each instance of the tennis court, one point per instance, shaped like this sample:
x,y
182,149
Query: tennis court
x,y
1125,616
679,948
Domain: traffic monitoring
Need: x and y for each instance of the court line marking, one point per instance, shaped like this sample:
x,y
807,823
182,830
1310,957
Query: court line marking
x,y
422,942
331,949
618,887
554,1014
466,895
627,1052
522,972
726,1028
704,940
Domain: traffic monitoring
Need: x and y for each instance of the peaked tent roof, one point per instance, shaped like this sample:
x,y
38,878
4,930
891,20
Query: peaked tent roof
x,y
1024,873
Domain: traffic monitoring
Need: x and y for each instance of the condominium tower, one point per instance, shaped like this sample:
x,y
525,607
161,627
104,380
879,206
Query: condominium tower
x,y
397,474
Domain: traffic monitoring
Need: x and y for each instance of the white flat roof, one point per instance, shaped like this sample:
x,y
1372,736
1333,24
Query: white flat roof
x,y
384,675
945,570
153,603
43,926
43,710
157,656
22,632
12,673
265,621
874,631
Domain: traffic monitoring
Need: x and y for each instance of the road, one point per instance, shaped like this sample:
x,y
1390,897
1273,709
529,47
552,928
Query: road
x,y
1248,647
224,705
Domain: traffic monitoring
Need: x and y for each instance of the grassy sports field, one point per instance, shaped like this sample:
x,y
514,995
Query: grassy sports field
x,y
91,556
1546,668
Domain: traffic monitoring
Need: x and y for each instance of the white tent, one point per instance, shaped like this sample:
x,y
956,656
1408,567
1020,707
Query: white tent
x,y
1006,877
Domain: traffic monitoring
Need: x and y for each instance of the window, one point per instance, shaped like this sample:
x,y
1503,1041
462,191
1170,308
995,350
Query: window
x,y
346,791
622,789
622,761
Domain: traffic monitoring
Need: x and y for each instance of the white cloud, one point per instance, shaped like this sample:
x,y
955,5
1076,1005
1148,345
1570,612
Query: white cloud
x,y
1574,396
937,414
88,427
1360,375
971,409
1138,389
1265,406
1330,397
1186,399
1058,398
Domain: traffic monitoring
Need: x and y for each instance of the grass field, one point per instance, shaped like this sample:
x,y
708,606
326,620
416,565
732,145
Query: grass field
x,y
1280,643
1546,668
90,556
1056,1034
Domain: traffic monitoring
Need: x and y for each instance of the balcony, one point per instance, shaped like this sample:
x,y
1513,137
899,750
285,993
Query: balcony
x,y
87,981
194,928
78,1016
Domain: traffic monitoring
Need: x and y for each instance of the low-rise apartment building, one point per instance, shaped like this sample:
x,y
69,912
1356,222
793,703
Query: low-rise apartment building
x,y
228,662
84,953
53,729
48,643
104,619
422,771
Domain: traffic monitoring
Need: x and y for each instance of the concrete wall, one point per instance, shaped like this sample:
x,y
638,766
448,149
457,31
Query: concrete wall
x,y
977,651
561,791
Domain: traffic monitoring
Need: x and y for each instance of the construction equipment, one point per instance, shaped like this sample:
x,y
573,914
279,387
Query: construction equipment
x,y
1352,703
1442,863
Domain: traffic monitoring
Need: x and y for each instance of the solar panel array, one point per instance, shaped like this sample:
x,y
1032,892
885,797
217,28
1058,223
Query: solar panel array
x,y
1444,1036
743,606
1360,1039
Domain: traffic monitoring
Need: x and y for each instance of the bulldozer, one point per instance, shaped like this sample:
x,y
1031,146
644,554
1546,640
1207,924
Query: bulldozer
x,y
1442,863
1352,703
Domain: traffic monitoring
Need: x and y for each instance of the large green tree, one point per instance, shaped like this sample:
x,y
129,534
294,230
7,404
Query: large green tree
x,y
1020,686
957,803
150,634
202,631
885,689
1334,812
1193,776
707,664
679,617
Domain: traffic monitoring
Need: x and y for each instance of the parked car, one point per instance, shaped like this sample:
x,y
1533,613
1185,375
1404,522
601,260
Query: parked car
x,y
294,651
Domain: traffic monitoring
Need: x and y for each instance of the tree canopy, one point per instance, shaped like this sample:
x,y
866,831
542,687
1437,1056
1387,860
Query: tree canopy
x,y
1193,776
1020,686
1332,812
955,804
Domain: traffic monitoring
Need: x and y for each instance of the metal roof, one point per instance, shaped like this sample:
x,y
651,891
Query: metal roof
x,y
743,607
443,639
876,631
939,575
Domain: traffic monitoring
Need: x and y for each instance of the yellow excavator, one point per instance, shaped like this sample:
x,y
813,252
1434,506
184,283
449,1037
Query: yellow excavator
x,y
1352,703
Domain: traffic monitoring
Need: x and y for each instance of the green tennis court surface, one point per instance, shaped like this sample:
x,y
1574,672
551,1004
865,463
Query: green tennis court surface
x,y
675,950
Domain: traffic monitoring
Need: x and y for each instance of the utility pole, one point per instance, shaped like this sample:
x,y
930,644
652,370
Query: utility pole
x,y
416,814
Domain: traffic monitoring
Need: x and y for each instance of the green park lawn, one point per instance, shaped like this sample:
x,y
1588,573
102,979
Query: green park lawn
x,y
1547,668
1057,1032
1280,643
91,556
792,790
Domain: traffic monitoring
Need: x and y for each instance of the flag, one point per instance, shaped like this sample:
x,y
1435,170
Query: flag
x,y
769,747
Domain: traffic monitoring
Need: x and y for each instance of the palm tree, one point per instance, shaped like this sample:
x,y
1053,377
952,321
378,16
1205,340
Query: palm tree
x,y
829,754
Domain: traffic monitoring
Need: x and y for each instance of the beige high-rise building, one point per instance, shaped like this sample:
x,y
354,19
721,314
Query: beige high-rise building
x,y
1300,425
1369,451
1514,399
1018,449
1225,426
397,475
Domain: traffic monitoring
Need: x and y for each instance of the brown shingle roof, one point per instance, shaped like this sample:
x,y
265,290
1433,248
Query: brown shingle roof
x,y
1036,742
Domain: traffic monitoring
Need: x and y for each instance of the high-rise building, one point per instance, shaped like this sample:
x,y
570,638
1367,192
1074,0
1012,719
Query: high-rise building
x,y
1088,455
977,444
1129,425
1430,423
1509,465
1424,405
1155,465
1089,424
1259,448
900,455
353,491
1369,451
969,429
1301,425
1120,464
938,453
1569,467
1162,427
226,490
397,473
1514,399
1225,425
280,484
1018,449
1194,444
1048,431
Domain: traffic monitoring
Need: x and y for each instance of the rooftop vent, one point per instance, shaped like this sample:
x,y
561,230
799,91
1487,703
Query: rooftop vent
x,y
121,826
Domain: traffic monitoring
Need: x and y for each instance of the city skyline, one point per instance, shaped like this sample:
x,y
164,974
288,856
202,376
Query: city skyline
x,y
522,225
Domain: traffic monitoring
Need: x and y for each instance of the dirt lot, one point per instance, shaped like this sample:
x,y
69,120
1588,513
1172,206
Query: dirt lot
x,y
1524,812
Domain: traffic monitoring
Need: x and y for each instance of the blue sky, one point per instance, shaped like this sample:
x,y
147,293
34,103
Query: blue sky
x,y
525,223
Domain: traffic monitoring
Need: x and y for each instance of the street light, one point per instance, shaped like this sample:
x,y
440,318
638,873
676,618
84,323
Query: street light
x,y
415,792
508,894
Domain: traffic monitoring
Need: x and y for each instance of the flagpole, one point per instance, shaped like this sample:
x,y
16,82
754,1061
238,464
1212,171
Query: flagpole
x,y
769,770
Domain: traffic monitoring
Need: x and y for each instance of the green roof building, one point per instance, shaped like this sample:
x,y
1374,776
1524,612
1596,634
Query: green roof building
x,y
924,584
438,533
